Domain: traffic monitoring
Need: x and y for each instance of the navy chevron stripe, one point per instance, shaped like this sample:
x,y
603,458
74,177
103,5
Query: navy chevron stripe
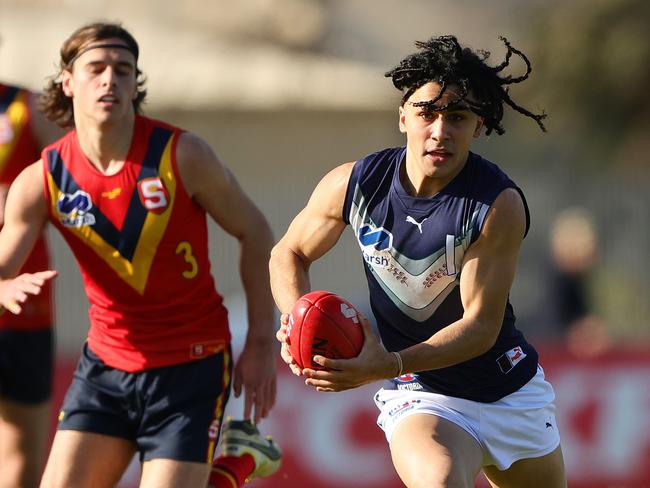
x,y
125,241
67,184
136,214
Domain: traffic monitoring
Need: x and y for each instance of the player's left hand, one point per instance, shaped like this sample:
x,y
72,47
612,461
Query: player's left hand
x,y
372,364
285,353
255,376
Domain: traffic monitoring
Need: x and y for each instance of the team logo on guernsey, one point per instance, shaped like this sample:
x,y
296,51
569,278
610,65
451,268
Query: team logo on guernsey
x,y
375,243
377,238
411,220
153,194
74,209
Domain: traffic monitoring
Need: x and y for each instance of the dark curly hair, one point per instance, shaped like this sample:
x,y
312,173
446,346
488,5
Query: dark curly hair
x,y
53,102
443,60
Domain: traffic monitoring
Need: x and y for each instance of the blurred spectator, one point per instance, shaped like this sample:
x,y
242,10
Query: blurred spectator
x,y
574,252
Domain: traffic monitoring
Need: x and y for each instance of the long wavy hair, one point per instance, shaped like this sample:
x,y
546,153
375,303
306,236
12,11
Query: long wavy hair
x,y
53,102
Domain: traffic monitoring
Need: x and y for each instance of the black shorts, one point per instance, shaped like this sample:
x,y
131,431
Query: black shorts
x,y
26,365
173,412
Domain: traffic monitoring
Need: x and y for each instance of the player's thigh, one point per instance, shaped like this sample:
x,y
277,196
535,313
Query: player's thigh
x,y
540,472
86,460
23,439
429,451
24,427
167,473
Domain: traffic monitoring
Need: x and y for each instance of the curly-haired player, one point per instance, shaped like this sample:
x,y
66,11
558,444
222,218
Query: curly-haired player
x,y
439,229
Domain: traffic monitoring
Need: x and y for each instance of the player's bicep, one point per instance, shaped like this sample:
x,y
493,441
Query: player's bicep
x,y
311,235
213,186
317,228
25,214
490,263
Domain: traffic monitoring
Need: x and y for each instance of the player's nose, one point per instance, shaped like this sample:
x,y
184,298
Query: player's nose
x,y
439,129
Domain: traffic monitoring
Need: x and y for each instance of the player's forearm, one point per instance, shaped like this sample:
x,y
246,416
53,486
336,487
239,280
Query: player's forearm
x,y
458,342
255,252
289,277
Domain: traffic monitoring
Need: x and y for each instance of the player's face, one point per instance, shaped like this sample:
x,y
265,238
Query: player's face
x,y
438,141
102,84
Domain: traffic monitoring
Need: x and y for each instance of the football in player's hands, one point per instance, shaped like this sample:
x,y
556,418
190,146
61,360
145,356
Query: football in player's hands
x,y
323,323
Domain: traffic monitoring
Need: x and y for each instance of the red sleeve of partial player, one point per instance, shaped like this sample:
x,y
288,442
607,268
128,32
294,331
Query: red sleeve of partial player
x,y
18,149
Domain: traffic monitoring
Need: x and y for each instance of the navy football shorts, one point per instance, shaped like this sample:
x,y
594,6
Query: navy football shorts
x,y
172,412
26,365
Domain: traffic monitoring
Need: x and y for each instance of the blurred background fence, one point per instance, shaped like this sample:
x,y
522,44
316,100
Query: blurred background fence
x,y
285,90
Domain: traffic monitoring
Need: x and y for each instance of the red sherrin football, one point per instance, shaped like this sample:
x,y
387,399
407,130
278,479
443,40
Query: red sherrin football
x,y
323,323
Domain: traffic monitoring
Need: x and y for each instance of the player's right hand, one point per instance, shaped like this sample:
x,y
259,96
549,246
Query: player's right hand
x,y
15,292
281,335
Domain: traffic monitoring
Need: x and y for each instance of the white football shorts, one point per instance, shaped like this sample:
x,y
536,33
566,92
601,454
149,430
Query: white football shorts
x,y
518,426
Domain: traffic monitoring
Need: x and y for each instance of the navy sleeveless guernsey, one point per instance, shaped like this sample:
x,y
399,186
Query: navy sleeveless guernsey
x,y
413,250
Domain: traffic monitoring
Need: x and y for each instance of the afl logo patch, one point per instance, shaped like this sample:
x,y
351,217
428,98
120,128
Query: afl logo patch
x,y
153,194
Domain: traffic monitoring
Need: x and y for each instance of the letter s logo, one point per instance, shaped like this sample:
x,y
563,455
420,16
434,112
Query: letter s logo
x,y
153,194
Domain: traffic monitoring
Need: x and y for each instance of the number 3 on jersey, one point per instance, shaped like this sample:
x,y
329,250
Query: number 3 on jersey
x,y
185,248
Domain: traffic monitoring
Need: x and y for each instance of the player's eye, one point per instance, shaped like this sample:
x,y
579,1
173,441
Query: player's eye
x,y
124,70
96,68
456,117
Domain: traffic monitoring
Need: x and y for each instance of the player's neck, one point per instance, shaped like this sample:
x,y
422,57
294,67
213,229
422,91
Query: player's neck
x,y
417,184
106,146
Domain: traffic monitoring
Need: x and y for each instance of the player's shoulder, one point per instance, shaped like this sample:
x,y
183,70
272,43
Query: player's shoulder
x,y
492,185
339,175
486,170
199,165
154,122
191,146
29,182
195,157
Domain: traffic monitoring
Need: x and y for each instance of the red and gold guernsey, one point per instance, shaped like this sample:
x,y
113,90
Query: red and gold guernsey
x,y
142,246
19,149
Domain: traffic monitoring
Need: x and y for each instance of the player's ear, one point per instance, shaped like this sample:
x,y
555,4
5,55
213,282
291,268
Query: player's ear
x,y
479,127
402,119
66,83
